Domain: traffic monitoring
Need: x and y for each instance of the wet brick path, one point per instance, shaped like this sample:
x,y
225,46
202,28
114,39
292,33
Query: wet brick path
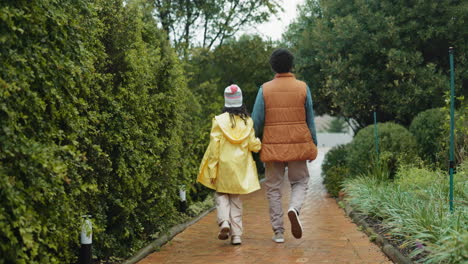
x,y
329,236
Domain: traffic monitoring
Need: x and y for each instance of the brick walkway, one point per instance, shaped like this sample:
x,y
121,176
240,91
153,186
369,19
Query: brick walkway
x,y
329,236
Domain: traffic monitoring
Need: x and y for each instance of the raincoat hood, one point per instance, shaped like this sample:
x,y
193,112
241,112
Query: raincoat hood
x,y
228,165
235,134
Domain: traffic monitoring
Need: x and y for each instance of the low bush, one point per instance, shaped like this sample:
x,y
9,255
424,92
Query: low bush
x,y
335,157
396,146
415,207
334,169
431,137
461,133
334,179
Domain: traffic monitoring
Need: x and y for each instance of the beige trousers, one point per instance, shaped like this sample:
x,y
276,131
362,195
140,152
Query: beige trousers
x,y
298,175
229,208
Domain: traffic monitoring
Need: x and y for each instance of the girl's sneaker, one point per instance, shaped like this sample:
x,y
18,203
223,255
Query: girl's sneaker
x,y
224,231
236,240
278,237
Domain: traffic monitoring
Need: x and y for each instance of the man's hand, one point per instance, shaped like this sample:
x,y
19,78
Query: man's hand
x,y
213,181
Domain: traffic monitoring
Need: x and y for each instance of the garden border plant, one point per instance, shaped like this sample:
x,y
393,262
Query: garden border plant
x,y
413,211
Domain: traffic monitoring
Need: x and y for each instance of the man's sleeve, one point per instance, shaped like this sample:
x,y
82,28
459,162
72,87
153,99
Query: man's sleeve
x,y
310,116
258,113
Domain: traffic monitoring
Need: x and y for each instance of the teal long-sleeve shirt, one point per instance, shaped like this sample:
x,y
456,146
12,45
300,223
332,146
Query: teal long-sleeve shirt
x,y
258,114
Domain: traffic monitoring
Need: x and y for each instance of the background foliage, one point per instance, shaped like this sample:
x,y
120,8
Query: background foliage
x,y
208,24
243,61
389,56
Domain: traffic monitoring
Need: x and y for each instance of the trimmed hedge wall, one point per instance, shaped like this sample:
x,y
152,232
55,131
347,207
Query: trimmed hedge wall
x,y
92,109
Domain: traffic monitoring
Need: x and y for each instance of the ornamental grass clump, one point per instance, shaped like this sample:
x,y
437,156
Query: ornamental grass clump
x,y
415,207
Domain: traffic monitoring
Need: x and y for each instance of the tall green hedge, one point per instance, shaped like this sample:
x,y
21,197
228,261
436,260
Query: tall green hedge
x,y
92,109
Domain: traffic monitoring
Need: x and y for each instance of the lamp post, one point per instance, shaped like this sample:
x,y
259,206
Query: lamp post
x,y
183,199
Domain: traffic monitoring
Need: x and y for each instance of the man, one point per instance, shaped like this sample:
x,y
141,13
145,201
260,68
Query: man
x,y
283,113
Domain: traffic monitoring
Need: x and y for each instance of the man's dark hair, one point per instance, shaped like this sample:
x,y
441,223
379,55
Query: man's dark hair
x,y
281,61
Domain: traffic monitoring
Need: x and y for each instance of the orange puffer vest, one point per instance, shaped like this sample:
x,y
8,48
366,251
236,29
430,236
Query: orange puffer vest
x,y
286,136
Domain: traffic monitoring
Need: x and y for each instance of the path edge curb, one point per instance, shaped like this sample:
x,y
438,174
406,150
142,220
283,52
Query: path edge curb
x,y
388,249
142,253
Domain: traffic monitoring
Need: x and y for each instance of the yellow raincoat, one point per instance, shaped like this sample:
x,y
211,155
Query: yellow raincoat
x,y
228,158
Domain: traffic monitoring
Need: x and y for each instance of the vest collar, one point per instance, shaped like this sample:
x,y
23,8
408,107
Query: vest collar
x,y
282,75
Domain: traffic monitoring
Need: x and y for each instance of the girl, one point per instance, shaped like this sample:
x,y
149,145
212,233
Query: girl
x,y
228,166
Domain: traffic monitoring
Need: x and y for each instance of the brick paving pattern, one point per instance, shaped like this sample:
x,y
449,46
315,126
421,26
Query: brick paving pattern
x,y
329,236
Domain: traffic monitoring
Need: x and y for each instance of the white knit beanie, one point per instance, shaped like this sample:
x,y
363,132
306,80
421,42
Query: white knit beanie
x,y
232,96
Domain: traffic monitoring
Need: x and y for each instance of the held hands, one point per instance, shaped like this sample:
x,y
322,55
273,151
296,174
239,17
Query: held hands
x,y
213,181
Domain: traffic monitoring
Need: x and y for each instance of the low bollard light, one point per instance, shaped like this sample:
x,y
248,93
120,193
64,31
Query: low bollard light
x,y
183,199
86,240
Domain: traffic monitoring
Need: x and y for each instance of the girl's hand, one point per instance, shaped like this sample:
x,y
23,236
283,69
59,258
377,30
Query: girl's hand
x,y
213,181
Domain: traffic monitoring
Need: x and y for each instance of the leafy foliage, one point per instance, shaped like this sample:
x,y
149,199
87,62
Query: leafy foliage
x,y
385,56
92,109
396,146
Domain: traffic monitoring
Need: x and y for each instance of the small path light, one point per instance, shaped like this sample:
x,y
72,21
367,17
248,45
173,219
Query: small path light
x,y
183,199
86,240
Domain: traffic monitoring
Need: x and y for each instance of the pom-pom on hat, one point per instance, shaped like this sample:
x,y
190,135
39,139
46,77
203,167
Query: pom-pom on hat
x,y
232,96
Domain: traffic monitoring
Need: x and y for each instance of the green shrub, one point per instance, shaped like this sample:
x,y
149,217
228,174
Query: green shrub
x,y
461,133
334,169
335,157
396,146
431,136
334,179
